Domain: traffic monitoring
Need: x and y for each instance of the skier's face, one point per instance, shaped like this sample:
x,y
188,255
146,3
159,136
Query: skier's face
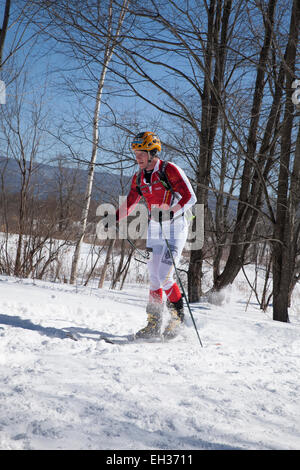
x,y
141,158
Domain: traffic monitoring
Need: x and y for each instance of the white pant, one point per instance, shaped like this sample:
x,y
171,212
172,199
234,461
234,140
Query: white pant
x,y
160,265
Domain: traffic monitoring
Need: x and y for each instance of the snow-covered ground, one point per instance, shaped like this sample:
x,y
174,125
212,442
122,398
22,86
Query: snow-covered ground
x,y
240,391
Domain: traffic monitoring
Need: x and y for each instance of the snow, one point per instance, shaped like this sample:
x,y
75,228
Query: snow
x,y
240,391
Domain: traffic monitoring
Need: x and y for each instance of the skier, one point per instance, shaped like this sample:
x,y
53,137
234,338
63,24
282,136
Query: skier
x,y
169,196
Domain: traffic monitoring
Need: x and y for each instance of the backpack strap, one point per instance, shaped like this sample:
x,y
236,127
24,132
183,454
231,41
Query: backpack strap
x,y
138,182
162,176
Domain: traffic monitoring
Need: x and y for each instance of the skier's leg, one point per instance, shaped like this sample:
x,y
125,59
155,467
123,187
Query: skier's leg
x,y
156,292
166,268
156,296
172,291
155,303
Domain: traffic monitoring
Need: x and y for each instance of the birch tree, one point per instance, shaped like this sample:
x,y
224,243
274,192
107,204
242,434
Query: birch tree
x,y
112,39
91,30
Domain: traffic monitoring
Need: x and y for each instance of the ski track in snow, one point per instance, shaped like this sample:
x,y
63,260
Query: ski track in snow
x,y
240,391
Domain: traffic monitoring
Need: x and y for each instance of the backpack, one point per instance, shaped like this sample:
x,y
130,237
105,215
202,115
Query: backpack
x,y
162,179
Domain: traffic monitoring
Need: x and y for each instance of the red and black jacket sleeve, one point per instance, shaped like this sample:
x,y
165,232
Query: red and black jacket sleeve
x,y
132,199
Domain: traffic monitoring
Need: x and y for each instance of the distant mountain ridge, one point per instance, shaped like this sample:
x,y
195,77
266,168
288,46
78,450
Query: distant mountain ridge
x,y
46,179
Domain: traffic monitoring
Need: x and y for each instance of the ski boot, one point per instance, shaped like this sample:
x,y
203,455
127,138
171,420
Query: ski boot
x,y
152,329
176,310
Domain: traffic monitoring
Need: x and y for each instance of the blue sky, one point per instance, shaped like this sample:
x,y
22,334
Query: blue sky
x,y
47,69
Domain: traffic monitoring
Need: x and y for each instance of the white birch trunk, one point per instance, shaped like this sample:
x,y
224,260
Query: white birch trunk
x,y
89,186
109,49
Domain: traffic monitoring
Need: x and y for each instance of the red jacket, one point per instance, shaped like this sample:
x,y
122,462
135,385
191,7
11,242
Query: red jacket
x,y
156,193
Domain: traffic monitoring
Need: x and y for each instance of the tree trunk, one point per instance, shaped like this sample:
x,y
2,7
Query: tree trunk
x,y
106,262
216,44
236,255
109,49
283,249
117,276
3,30
89,186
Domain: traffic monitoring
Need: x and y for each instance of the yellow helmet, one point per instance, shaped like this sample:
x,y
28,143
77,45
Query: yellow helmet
x,y
146,141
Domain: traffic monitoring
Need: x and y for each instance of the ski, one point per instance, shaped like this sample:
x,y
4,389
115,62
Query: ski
x,y
69,335
128,339
125,339
131,339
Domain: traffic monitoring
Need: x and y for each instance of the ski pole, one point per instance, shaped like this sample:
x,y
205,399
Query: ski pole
x,y
134,247
181,285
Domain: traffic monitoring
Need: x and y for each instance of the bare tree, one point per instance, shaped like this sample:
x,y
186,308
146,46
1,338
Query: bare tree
x,y
22,135
286,229
90,30
112,38
108,256
16,25
178,65
255,143
3,30
251,181
23,143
